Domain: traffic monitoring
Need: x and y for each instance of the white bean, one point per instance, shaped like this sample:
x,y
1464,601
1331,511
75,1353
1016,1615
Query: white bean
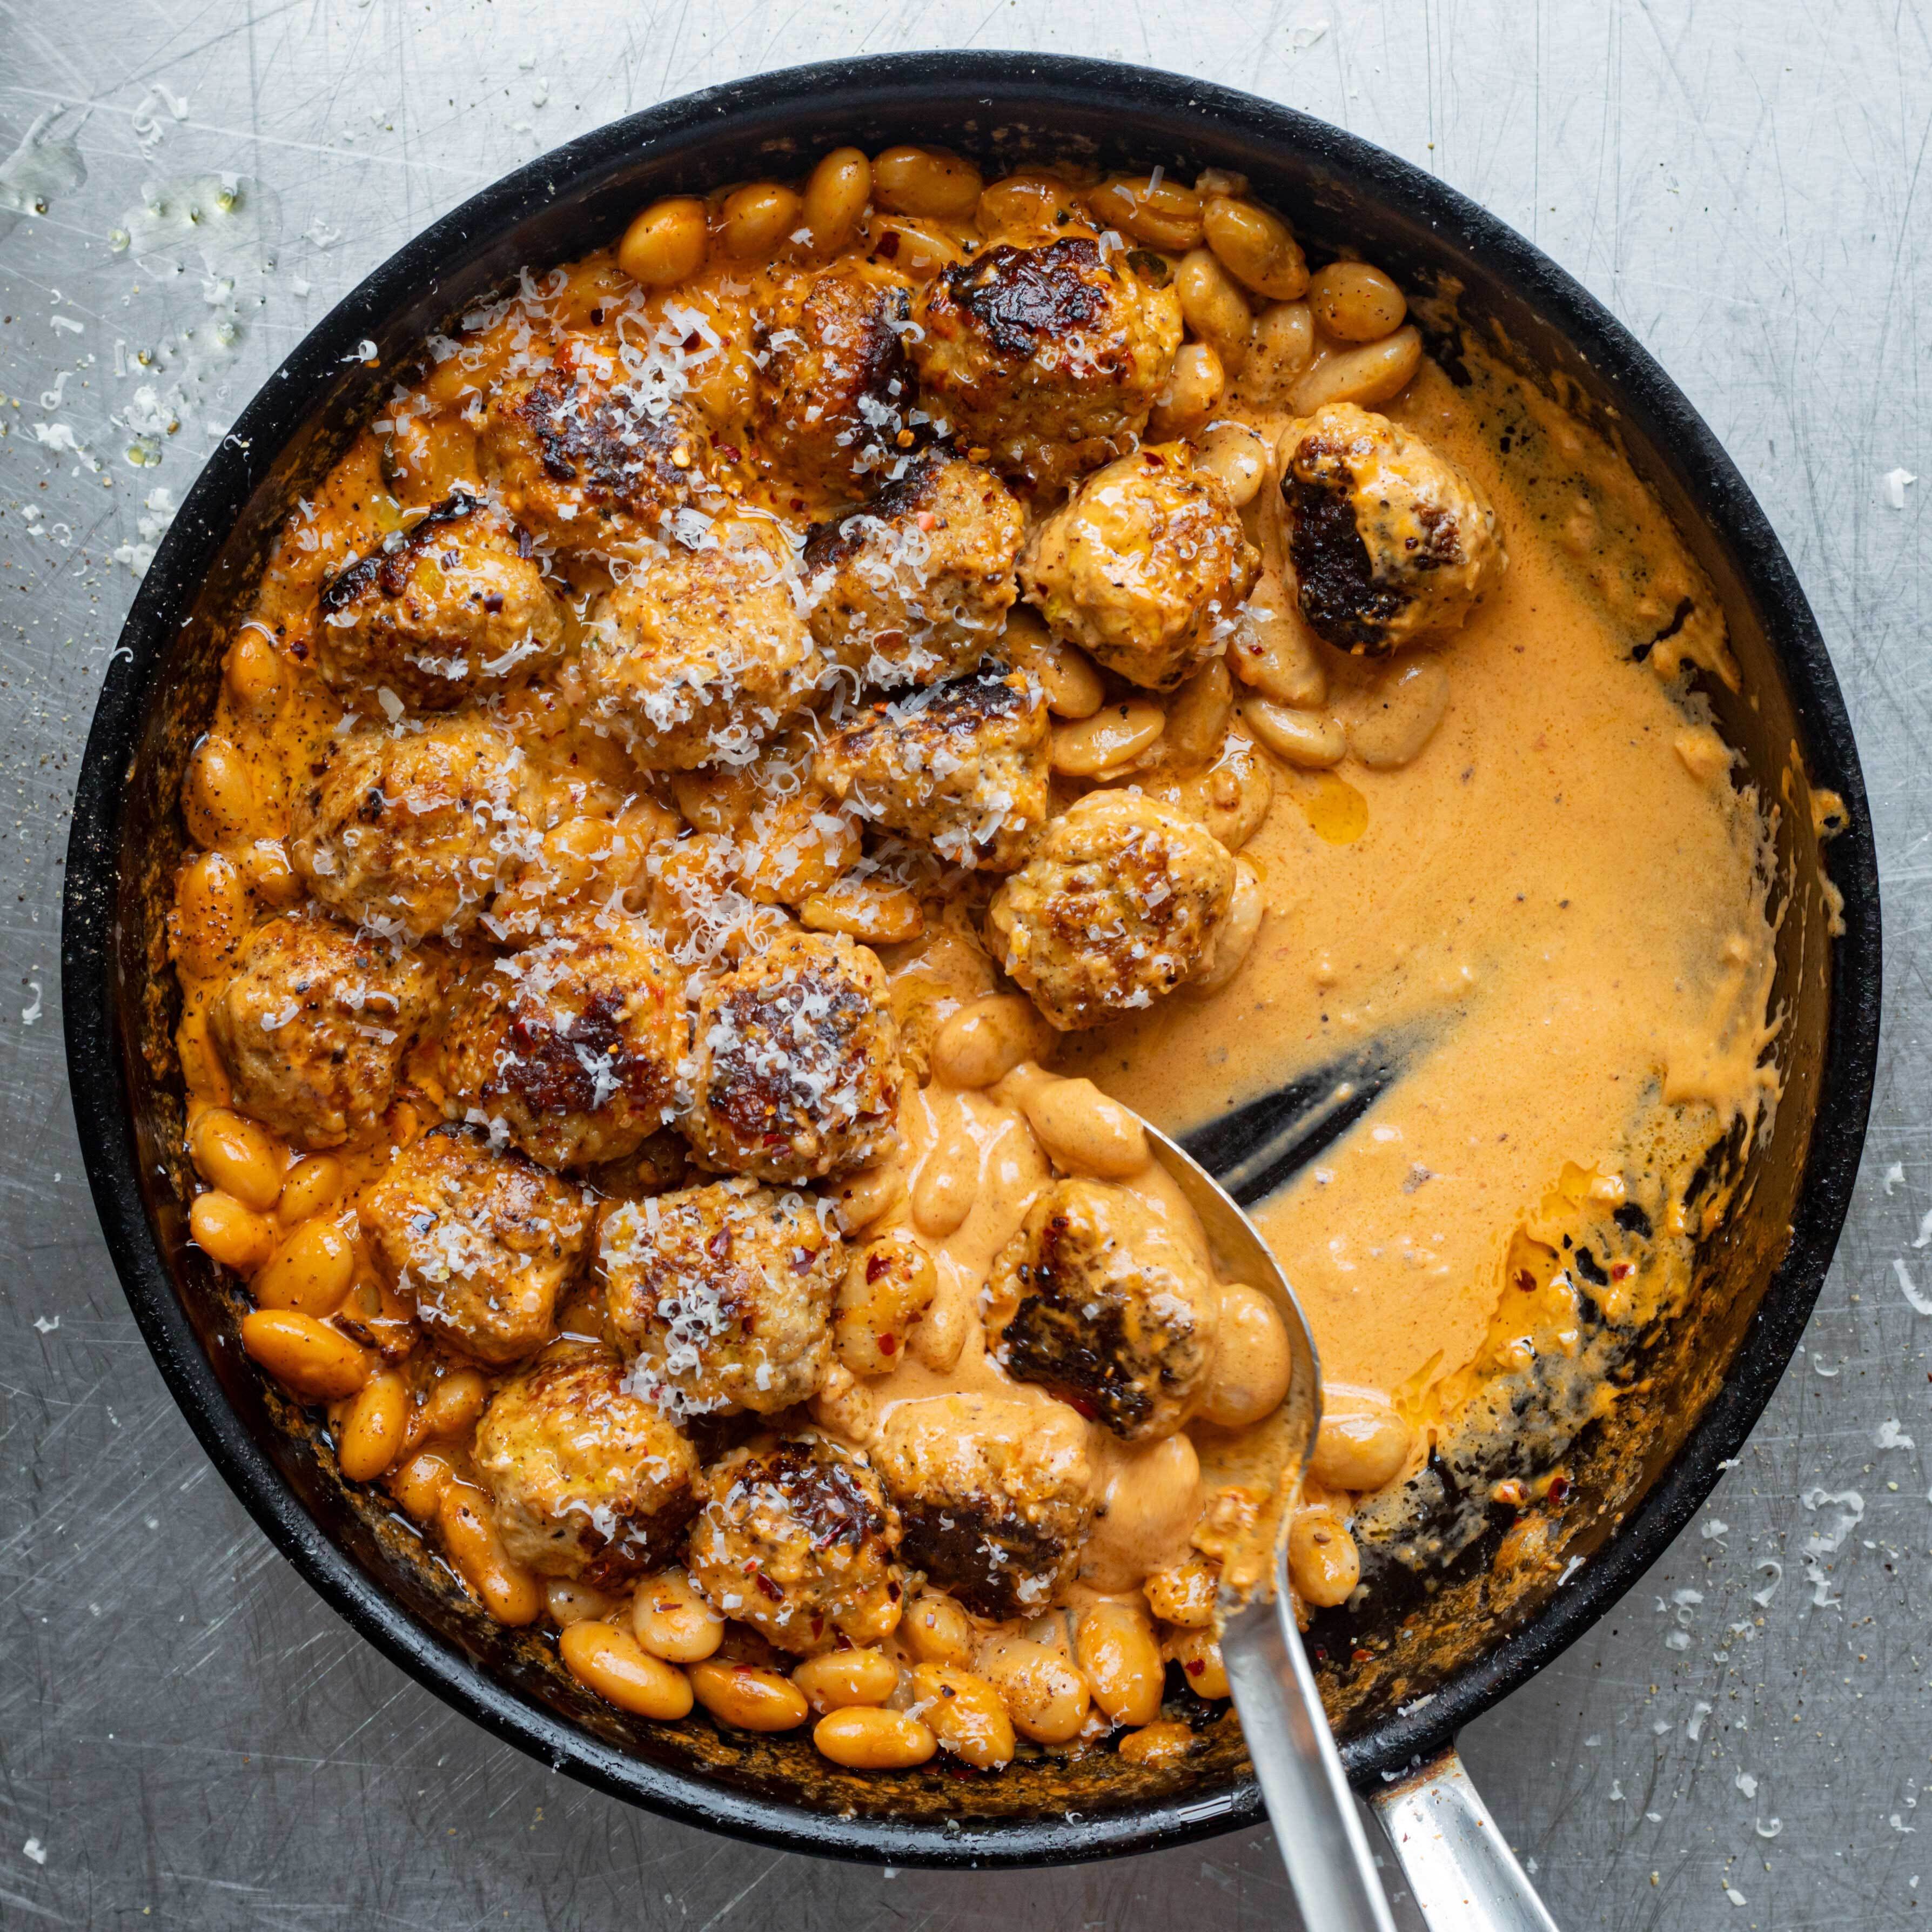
x,y
1401,712
1234,936
1310,739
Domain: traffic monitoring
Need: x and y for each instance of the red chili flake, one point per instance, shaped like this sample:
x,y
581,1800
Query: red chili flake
x,y
719,1245
1081,1406
596,318
888,1345
1559,1488
692,341
926,520
1622,1270
1359,1656
875,1266
1195,1667
770,1589
889,244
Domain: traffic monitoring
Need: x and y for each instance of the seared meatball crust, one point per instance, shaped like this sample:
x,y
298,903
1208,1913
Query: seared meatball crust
x,y
1048,357
1391,543
438,612
412,830
836,395
1096,1302
914,585
589,1480
572,1047
480,1239
797,1540
961,769
796,1062
1118,904
588,466
1144,567
701,652
995,1493
723,1294
313,1025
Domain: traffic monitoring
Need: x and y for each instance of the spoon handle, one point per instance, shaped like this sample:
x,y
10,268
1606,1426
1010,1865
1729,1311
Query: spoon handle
x,y
1316,1824
1464,1876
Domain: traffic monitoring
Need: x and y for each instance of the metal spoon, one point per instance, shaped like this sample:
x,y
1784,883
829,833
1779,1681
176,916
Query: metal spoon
x,y
1315,1823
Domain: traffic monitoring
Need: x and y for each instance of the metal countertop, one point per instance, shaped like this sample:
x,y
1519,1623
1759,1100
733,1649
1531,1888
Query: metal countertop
x,y
188,1738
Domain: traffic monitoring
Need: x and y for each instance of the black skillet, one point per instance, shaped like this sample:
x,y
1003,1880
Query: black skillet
x,y
1405,1675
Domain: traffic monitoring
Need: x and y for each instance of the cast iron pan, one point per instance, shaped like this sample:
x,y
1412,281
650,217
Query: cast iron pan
x,y
1399,1684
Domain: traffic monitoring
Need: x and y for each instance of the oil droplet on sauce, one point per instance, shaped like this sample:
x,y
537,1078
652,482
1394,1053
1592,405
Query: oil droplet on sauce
x,y
1336,812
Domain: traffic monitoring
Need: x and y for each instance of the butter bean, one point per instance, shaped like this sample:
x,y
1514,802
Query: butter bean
x,y
1310,739
312,1186
964,1711
1323,1563
756,218
867,1740
1183,1594
1191,393
672,1622
924,181
467,1524
311,1360
1158,1743
667,243
372,1434
418,1485
1234,937
867,1196
985,1040
881,915
1274,653
566,1602
1280,345
312,1269
1198,715
1199,1657
1360,1449
1255,246
1236,454
1083,1130
1115,1648
212,914
236,1236
1213,306
1068,678
454,1406
937,1630
239,1156
948,1178
218,795
253,676
842,1679
1164,215
748,1696
1401,712
1355,303
1252,1362
887,1285
1374,373
1106,744
836,197
1047,1698
607,1660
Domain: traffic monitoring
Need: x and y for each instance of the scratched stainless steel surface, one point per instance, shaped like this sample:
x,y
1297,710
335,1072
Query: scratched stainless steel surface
x,y
187,1737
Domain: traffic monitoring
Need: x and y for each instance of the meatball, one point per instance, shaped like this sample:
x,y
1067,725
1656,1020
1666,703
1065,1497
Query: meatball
x,y
796,1062
413,830
589,1480
589,467
835,398
697,655
1051,357
1390,543
1118,904
1144,567
437,612
996,1495
797,1539
1096,1301
723,1295
313,1024
961,769
572,1047
913,586
482,1241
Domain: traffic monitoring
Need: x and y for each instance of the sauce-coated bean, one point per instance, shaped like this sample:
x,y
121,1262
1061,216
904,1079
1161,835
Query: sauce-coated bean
x,y
312,1269
1401,712
1252,1361
604,1658
985,1040
1115,1648
1046,1697
1199,1657
1355,303
1214,306
1373,373
1084,1131
937,1630
965,1712
236,1236
667,243
566,1602
672,1620
1255,247
1164,214
842,1679
1360,1449
756,218
835,196
1323,1563
372,1434
1157,1744
1311,740
311,1360
1105,744
239,1156
751,1698
512,1594
923,182
868,1740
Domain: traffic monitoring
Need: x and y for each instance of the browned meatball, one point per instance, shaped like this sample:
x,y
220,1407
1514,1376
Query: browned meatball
x,y
701,652
482,1240
723,1293
572,1047
1118,904
797,1540
412,830
588,466
1391,543
1096,1300
961,769
914,585
1144,567
314,1024
994,1492
589,1480
796,1062
835,396
438,612
1050,357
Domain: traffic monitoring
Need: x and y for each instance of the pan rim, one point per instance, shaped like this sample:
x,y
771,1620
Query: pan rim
x,y
778,102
